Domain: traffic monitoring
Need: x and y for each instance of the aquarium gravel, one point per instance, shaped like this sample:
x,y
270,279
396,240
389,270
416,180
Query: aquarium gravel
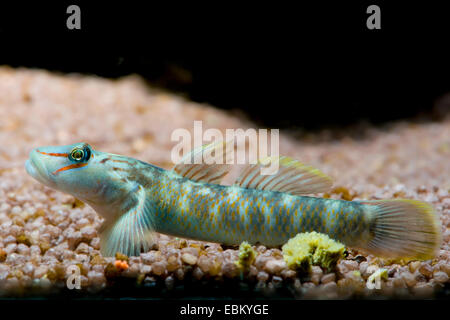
x,y
45,233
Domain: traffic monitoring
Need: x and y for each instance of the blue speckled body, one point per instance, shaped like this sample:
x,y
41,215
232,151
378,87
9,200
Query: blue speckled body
x,y
230,214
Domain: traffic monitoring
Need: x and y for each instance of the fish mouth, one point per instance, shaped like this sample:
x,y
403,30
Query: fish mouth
x,y
37,169
31,170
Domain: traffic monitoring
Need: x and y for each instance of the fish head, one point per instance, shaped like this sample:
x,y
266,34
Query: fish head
x,y
76,169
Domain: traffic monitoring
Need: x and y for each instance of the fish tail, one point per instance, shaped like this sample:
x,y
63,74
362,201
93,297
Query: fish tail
x,y
400,228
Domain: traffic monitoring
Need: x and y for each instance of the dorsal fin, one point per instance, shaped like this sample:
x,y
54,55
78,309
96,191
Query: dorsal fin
x,y
208,163
292,177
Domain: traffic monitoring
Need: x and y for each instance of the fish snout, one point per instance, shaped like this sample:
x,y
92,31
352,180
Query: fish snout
x,y
36,167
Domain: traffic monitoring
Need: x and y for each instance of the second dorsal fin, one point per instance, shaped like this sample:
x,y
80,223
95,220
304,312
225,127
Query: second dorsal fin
x,y
292,177
208,163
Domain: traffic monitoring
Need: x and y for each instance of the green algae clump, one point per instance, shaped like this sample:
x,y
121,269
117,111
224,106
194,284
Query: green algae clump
x,y
312,248
246,256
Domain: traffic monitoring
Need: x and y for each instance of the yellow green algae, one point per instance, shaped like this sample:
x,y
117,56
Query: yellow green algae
x,y
23,239
122,257
312,248
246,256
381,273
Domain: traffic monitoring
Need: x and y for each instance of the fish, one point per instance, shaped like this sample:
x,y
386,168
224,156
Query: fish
x,y
137,199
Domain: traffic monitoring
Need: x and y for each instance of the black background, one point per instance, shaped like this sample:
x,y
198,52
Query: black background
x,y
286,64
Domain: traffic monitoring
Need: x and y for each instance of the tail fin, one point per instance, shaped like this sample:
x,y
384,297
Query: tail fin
x,y
407,229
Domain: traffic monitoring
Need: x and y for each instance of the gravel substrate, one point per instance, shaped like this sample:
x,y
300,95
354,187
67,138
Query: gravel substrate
x,y
44,232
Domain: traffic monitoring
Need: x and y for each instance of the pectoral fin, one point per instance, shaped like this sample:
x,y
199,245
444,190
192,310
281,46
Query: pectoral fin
x,y
132,232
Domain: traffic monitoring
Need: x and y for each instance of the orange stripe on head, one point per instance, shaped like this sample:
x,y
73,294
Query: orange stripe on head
x,y
54,154
72,166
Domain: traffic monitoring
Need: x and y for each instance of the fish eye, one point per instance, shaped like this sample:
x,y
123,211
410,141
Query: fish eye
x,y
77,154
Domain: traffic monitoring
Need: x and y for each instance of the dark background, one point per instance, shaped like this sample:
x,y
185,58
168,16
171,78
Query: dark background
x,y
285,65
